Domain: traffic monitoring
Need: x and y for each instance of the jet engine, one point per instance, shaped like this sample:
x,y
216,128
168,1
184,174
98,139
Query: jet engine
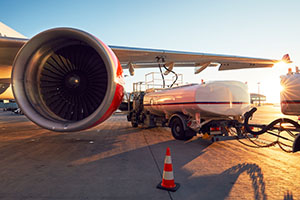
x,y
65,79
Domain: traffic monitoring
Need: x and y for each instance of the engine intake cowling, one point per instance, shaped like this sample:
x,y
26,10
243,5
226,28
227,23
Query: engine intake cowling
x,y
67,80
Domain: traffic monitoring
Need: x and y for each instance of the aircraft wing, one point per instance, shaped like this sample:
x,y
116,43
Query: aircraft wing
x,y
9,47
147,58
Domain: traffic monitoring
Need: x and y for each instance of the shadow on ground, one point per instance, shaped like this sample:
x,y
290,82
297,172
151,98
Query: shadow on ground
x,y
112,161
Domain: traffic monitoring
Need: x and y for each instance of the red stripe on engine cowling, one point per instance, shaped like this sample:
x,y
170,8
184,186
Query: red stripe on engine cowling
x,y
114,104
118,67
119,93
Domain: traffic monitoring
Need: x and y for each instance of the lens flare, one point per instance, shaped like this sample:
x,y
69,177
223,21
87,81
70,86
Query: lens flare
x,y
282,88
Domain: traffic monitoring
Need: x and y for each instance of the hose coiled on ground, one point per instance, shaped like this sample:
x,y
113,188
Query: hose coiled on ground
x,y
268,127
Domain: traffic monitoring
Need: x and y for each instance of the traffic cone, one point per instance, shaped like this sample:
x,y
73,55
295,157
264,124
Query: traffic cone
x,y
168,182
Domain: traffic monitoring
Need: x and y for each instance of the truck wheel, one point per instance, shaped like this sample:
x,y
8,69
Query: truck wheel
x,y
177,129
133,120
134,124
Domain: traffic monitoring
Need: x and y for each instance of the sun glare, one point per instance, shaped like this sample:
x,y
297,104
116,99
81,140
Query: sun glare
x,y
270,86
280,65
271,89
282,88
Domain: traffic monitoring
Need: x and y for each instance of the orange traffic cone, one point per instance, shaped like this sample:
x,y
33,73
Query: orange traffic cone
x,y
168,182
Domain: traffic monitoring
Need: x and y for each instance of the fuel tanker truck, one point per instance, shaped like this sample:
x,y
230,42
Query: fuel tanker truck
x,y
190,109
219,110
290,94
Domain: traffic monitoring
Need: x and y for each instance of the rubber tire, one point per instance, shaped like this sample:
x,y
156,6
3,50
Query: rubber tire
x,y
134,124
177,130
133,120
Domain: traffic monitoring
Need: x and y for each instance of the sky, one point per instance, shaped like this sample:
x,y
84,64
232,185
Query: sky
x,y
254,28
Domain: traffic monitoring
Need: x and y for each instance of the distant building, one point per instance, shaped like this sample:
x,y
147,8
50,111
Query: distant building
x,y
257,98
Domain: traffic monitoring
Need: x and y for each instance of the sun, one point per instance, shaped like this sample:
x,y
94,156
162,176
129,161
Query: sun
x,y
282,88
270,86
271,89
281,65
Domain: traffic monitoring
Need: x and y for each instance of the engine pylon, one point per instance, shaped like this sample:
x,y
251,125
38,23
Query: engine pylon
x,y
168,182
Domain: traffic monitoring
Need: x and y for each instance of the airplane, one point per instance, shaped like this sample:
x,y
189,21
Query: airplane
x,y
66,79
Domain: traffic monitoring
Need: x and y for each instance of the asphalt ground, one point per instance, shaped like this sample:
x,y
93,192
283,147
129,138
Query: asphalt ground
x,y
116,161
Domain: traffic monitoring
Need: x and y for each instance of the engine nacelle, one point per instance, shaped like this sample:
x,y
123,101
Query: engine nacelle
x,y
65,79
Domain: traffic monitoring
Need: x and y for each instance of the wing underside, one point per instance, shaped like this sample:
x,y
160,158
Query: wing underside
x,y
145,58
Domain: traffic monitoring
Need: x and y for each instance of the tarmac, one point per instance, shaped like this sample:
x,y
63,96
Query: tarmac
x,y
117,161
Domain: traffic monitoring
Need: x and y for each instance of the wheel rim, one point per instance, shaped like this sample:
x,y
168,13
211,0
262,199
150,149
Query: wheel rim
x,y
177,129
